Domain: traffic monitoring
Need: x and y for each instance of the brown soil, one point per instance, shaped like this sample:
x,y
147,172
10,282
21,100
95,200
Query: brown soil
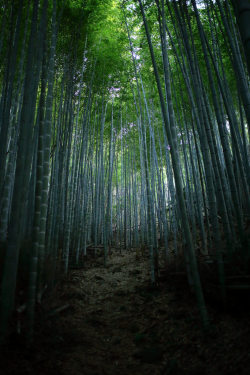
x,y
109,320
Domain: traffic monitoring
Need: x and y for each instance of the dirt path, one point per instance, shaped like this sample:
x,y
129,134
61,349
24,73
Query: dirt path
x,y
115,323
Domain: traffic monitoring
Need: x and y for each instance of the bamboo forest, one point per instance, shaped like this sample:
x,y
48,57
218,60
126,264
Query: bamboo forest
x,y
124,187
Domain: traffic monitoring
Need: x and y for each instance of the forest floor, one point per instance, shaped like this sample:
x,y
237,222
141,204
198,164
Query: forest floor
x,y
109,320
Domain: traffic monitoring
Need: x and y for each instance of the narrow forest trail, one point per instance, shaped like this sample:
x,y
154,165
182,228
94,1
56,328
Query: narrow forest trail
x,y
115,323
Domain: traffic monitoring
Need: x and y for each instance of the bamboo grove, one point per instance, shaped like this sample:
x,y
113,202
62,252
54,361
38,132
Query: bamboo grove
x,y
127,137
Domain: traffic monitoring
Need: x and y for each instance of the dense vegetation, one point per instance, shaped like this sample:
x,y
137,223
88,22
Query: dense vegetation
x,y
122,124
